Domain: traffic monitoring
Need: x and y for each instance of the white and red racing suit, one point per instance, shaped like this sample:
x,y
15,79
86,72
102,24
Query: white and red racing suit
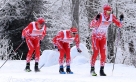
x,y
62,40
33,35
99,36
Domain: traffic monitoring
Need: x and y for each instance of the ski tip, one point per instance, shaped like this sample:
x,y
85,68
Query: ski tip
x,y
62,72
70,73
27,70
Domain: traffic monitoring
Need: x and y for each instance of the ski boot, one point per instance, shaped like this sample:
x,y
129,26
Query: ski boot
x,y
68,70
61,70
93,71
36,67
27,69
102,71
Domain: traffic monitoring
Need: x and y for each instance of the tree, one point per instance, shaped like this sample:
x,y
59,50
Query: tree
x,y
16,15
75,13
126,36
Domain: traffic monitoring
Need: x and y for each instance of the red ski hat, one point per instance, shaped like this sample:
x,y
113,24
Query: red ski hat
x,y
73,30
41,20
107,7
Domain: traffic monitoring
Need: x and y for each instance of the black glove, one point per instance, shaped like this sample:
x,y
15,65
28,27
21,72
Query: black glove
x,y
56,48
23,39
121,17
79,50
40,42
98,17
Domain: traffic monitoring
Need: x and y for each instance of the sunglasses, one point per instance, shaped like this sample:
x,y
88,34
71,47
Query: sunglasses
x,y
74,33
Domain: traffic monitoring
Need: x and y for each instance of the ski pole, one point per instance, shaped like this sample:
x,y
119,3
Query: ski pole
x,y
118,38
41,66
114,60
13,52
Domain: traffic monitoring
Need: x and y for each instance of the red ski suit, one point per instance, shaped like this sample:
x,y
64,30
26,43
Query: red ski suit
x,y
33,35
62,40
98,37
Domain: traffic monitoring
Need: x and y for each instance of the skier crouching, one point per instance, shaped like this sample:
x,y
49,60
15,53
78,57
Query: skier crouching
x,y
62,40
33,34
98,38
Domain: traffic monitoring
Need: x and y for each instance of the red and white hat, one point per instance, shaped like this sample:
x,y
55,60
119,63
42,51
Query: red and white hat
x,y
73,30
41,20
107,7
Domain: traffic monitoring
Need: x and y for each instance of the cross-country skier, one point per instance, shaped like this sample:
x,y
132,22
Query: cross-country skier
x,y
100,26
33,34
62,40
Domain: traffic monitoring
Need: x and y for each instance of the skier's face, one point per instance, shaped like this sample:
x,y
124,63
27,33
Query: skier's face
x,y
41,25
73,34
108,12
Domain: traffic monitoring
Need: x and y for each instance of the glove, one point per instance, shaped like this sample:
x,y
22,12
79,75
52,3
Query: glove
x,y
98,17
40,42
56,48
121,17
23,39
79,50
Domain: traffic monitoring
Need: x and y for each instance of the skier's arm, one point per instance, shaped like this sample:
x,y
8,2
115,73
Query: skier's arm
x,y
96,21
116,21
57,38
43,34
27,31
77,41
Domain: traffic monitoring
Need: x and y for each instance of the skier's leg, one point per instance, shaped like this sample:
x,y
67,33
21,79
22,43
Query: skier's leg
x,y
68,58
37,50
29,54
30,48
61,59
37,54
103,56
95,47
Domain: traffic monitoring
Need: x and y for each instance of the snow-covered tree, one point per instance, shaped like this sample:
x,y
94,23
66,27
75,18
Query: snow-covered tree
x,y
127,43
15,15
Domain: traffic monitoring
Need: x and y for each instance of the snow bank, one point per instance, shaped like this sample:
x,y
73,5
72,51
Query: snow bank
x,y
48,58
51,57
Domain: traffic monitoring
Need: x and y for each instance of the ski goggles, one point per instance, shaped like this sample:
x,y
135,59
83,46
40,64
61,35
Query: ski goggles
x,y
74,33
42,24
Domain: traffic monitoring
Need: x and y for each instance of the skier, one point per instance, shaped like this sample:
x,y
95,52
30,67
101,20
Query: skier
x,y
33,34
98,38
62,40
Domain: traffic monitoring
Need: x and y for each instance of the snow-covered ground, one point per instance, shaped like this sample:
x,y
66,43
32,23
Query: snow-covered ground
x,y
13,70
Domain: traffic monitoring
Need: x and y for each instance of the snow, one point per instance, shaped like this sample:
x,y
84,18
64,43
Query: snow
x,y
13,70
48,58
